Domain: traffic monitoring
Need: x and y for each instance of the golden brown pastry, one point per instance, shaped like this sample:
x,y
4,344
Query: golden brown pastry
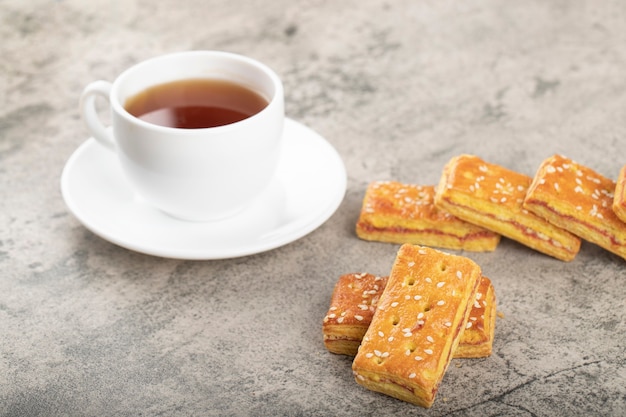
x,y
403,213
354,301
619,201
416,327
477,336
352,306
491,196
578,199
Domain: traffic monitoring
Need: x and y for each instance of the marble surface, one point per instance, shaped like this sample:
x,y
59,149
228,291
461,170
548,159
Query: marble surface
x,y
398,88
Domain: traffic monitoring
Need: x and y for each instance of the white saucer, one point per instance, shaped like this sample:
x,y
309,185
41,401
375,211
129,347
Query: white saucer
x,y
309,186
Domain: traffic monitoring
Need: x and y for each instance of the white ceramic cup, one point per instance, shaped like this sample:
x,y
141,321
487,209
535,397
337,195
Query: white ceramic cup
x,y
201,174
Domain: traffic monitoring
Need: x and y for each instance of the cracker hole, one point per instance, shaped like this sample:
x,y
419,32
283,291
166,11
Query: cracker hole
x,y
395,320
443,267
411,347
410,281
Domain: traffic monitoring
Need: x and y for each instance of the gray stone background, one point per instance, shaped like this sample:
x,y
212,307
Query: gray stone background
x,y
397,87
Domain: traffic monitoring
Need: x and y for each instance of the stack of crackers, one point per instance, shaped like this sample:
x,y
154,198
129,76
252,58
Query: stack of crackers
x,y
404,329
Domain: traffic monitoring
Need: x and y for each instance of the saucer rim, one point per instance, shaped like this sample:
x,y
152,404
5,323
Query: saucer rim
x,y
330,157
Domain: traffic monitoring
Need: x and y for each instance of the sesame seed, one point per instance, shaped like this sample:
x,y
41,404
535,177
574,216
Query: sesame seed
x,y
359,318
417,297
468,325
407,352
440,302
418,358
412,375
428,351
390,339
430,339
459,274
421,252
447,324
394,304
411,264
384,355
363,307
340,320
420,315
332,316
378,353
361,377
427,279
381,334
369,355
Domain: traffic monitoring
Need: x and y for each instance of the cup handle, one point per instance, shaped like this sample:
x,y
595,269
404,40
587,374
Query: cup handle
x,y
89,115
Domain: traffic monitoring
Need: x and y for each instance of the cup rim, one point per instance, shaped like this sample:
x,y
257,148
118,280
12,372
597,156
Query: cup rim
x,y
119,108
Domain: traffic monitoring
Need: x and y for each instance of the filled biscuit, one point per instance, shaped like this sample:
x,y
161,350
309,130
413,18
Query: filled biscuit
x,y
405,213
352,307
417,324
491,196
578,199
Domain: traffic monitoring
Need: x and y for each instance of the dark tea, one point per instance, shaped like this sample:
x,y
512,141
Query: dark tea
x,y
195,103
